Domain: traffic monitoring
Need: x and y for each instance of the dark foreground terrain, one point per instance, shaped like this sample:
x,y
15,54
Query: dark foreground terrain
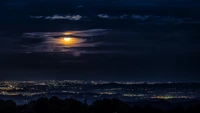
x,y
55,105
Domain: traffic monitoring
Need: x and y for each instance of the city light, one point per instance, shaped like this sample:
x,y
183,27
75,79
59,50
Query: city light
x,y
92,89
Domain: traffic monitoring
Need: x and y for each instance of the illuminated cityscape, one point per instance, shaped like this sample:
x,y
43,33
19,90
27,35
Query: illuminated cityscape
x,y
25,91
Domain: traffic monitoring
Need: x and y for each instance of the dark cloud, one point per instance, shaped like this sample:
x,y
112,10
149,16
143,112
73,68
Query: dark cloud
x,y
31,41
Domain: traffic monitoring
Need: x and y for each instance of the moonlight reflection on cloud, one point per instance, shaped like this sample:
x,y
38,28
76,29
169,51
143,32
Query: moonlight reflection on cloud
x,y
68,41
68,33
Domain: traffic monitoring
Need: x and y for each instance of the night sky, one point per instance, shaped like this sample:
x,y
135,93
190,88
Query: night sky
x,y
130,40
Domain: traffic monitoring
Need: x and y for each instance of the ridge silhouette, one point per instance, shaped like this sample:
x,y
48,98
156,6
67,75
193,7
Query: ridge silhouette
x,y
56,105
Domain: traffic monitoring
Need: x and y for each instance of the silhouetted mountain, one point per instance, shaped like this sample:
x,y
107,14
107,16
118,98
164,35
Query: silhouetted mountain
x,y
56,105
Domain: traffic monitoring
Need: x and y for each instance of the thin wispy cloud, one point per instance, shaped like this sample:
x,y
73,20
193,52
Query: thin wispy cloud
x,y
59,17
133,17
149,18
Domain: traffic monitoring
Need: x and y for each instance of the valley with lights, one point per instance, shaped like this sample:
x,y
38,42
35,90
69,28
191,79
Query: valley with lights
x,y
25,91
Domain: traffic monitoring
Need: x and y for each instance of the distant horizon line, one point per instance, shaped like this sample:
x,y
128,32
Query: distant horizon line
x,y
109,81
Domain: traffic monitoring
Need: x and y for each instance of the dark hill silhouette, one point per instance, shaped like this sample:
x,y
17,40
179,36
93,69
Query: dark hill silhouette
x,y
56,105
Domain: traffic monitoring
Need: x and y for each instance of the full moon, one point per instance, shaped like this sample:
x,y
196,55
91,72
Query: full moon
x,y
67,39
70,41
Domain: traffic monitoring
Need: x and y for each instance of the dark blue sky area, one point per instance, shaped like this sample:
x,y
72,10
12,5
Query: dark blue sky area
x,y
135,40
